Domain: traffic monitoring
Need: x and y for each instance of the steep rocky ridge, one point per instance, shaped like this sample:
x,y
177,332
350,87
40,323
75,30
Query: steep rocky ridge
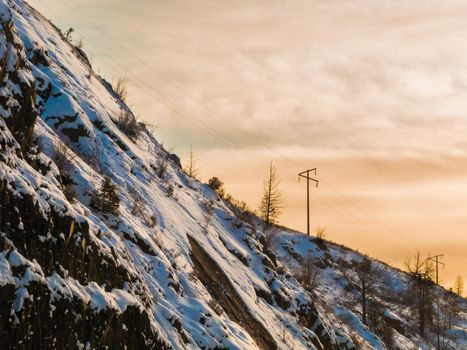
x,y
72,277
176,268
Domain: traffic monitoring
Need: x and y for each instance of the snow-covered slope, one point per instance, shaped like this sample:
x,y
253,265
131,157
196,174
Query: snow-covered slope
x,y
193,284
175,268
337,268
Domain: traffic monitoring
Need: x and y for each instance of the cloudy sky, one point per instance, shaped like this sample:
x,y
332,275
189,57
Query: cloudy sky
x,y
372,92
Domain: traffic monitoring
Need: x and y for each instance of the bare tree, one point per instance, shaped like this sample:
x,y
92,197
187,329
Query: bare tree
x,y
97,158
63,158
379,324
209,206
270,239
162,165
129,124
309,274
419,291
363,280
452,308
139,209
446,314
271,201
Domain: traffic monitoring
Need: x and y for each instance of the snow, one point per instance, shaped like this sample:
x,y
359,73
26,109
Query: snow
x,y
5,272
15,259
20,296
159,256
333,294
358,327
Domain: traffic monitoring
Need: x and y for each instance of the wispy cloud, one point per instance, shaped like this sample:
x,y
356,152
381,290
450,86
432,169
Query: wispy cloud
x,y
372,92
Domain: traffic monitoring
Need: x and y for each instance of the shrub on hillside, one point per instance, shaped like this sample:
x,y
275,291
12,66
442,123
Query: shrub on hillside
x,y
139,209
121,89
270,240
129,125
68,34
217,185
162,165
209,211
309,274
97,158
170,191
320,234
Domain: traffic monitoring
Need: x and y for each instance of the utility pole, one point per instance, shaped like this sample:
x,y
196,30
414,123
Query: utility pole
x,y
306,174
436,258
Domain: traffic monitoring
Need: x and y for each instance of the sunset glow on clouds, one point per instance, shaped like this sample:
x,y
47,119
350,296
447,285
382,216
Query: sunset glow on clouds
x,y
373,93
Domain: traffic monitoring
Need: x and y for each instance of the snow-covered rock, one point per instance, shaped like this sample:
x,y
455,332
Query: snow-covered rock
x,y
175,269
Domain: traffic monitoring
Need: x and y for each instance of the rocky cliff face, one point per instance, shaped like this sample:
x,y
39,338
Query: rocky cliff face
x,y
176,267
17,84
37,308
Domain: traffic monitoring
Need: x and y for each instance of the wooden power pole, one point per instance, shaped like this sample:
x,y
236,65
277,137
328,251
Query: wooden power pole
x,y
436,258
306,174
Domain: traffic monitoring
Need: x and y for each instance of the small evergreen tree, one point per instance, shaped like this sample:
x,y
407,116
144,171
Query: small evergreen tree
x,y
106,199
271,201
191,169
459,285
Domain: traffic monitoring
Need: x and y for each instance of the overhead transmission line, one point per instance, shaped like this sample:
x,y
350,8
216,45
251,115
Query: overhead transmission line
x,y
210,110
182,113
174,107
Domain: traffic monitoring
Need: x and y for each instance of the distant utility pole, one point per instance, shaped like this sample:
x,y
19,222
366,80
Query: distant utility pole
x,y
436,258
306,174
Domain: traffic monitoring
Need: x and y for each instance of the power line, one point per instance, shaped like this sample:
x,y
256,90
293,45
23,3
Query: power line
x,y
332,204
179,110
388,228
173,84
186,93
173,105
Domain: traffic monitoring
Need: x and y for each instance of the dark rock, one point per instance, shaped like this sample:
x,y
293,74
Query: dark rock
x,y
222,290
174,158
19,104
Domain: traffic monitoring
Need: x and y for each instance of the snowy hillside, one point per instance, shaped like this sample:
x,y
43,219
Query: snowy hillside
x,y
171,265
337,293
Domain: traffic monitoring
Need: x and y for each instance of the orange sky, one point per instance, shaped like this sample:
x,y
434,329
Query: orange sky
x,y
373,93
